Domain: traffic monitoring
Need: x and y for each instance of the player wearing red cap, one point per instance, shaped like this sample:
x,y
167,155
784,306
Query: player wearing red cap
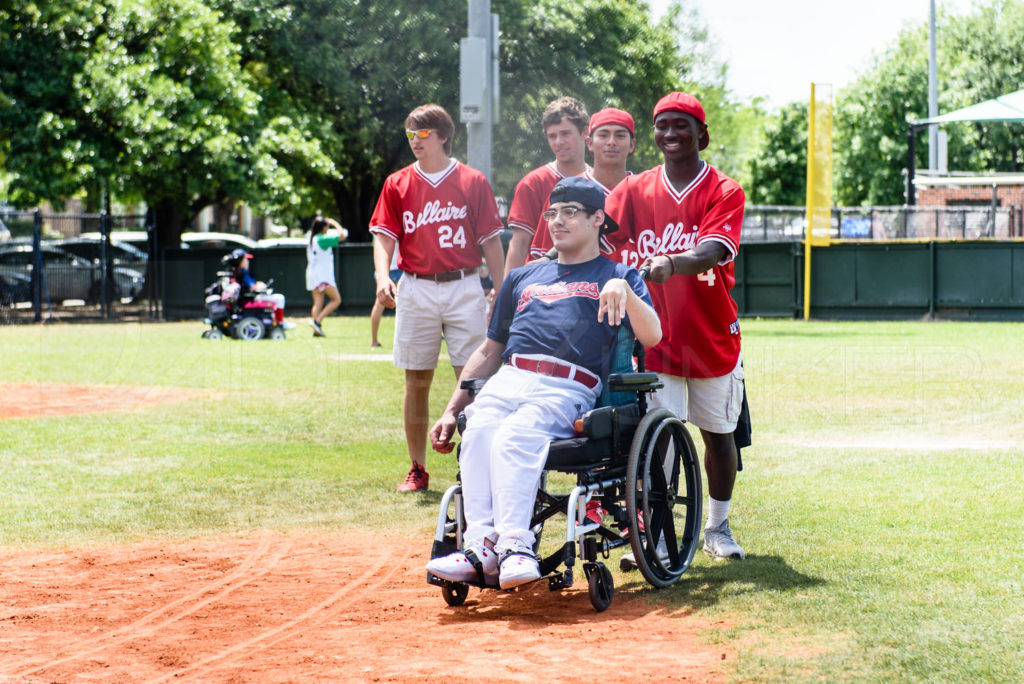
x,y
565,123
682,221
611,140
442,215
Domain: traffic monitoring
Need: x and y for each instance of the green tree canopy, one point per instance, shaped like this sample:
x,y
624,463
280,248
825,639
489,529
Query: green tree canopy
x,y
778,175
980,56
298,106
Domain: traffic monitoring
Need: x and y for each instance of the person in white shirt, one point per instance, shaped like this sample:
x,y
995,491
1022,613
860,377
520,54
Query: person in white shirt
x,y
320,280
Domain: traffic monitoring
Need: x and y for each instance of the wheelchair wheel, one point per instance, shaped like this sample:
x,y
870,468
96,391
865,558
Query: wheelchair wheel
x,y
276,333
454,593
213,334
663,497
601,587
250,328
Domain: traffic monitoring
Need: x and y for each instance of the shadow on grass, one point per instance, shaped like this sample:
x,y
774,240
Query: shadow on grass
x,y
703,586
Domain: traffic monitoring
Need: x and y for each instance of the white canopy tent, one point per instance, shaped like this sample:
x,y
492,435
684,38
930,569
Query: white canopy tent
x,y
1008,107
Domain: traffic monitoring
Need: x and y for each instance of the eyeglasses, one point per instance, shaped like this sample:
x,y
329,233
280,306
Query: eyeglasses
x,y
422,133
567,212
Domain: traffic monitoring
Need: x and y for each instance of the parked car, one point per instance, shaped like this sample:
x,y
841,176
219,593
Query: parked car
x,y
225,241
267,243
121,253
67,276
138,239
15,288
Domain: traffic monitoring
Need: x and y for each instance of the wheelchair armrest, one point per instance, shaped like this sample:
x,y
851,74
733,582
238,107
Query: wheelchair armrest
x,y
634,382
474,385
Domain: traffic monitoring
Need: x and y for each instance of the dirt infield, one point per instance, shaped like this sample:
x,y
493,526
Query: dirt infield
x,y
325,607
34,400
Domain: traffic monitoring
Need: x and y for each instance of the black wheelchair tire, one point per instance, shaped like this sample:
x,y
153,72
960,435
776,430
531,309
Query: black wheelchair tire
x,y
600,587
454,593
250,328
663,473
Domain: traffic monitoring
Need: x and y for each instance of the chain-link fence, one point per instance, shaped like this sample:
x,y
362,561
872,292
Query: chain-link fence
x,y
76,266
774,223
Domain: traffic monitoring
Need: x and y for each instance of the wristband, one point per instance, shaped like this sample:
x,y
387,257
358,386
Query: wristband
x,y
671,263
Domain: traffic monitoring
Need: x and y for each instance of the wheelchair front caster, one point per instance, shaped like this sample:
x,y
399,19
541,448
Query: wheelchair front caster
x,y
601,587
454,593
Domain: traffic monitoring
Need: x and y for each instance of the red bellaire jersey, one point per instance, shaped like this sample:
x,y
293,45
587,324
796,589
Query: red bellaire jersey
x,y
701,334
531,197
439,225
542,243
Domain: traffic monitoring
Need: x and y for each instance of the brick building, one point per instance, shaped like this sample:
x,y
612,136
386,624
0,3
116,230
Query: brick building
x,y
1002,192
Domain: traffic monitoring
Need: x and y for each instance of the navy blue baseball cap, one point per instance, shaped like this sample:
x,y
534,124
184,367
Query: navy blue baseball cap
x,y
586,192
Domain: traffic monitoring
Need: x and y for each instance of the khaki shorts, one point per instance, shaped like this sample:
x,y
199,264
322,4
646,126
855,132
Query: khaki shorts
x,y
427,311
712,404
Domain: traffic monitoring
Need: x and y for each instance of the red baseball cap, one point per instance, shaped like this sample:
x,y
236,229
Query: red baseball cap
x,y
611,115
680,102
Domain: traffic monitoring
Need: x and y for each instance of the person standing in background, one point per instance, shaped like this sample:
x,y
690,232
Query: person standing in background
x,y
320,278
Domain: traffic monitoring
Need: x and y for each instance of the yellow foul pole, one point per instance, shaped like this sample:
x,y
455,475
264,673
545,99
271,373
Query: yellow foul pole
x,y
819,180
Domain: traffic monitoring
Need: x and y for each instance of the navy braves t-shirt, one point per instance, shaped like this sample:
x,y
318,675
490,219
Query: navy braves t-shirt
x,y
551,308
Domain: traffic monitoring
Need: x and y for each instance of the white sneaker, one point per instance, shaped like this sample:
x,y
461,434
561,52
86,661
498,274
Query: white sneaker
x,y
518,565
628,560
288,325
719,543
458,566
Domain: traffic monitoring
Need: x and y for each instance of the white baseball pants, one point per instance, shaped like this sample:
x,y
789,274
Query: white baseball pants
x,y
510,426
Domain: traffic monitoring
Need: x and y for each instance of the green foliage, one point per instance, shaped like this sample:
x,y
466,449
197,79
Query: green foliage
x,y
297,106
778,175
980,56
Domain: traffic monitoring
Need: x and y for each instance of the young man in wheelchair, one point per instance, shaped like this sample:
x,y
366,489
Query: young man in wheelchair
x,y
546,353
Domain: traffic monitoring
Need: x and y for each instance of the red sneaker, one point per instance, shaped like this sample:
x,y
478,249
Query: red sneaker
x,y
416,481
595,513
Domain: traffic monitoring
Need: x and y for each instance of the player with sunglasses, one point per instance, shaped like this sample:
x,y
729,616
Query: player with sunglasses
x,y
441,215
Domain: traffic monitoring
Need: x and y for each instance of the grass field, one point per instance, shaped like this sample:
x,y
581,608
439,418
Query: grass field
x,y
881,504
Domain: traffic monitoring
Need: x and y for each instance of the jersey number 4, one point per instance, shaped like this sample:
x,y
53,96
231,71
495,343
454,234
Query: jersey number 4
x,y
447,240
708,277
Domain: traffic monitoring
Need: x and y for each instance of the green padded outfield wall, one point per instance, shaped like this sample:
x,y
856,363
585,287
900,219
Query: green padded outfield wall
x,y
187,272
866,280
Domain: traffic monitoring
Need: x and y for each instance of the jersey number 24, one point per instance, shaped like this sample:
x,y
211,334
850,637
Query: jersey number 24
x,y
448,240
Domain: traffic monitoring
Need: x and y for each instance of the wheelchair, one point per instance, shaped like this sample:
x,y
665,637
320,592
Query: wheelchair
x,y
640,465
243,316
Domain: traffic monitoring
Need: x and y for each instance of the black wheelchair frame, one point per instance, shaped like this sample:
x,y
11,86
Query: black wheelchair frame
x,y
641,465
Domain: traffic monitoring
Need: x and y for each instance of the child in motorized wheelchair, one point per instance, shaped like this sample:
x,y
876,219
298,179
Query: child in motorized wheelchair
x,y
550,351
242,309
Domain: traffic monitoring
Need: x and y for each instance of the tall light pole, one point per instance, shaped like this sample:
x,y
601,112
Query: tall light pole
x,y
933,93
478,84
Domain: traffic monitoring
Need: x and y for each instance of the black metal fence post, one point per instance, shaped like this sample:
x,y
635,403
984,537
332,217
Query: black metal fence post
x,y
37,267
153,267
106,266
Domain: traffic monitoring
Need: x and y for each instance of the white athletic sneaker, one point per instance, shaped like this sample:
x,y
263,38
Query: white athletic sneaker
x,y
458,567
628,560
719,543
518,565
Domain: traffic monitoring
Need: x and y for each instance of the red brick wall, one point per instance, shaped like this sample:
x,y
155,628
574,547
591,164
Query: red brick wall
x,y
1008,195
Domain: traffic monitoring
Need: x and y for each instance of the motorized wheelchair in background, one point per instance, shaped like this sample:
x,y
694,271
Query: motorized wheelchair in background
x,y
244,316
640,465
